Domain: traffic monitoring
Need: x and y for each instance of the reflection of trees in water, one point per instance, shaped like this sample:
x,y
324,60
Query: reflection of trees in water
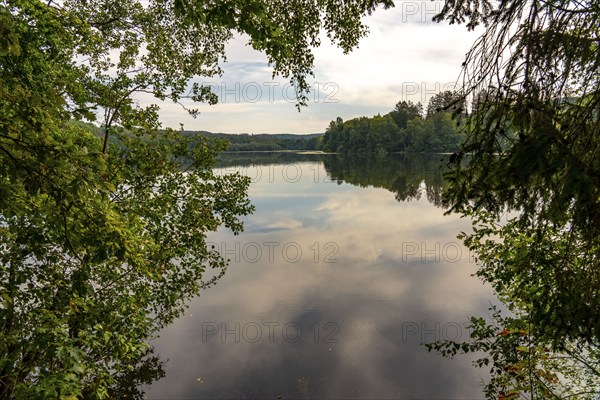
x,y
129,385
409,177
247,159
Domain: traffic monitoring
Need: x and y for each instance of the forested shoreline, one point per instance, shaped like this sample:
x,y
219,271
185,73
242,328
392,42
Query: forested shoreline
x,y
407,128
404,129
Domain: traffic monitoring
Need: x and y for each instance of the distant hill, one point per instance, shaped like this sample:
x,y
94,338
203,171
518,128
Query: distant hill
x,y
265,141
261,135
293,136
245,141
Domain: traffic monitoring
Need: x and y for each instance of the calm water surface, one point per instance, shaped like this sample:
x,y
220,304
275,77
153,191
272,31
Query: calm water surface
x,y
347,265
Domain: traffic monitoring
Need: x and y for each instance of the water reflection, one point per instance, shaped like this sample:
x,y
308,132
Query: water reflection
x,y
331,289
409,177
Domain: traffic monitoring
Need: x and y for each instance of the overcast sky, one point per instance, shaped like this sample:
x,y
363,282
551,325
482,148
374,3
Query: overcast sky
x,y
404,57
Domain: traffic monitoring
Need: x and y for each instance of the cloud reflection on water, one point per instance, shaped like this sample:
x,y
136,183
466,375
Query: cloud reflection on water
x,y
354,326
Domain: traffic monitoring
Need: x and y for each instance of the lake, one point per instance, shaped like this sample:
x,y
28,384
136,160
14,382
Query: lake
x,y
346,267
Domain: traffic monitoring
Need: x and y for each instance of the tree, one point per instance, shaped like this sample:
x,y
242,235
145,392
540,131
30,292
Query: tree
x,y
522,365
442,134
382,134
534,140
102,234
525,358
406,111
532,147
447,101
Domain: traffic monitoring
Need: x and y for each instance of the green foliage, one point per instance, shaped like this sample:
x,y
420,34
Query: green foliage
x,y
523,366
544,269
264,142
446,101
286,31
542,276
102,230
403,129
101,251
406,111
532,143
362,135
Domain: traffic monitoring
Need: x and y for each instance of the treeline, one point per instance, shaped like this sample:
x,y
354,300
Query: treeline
x,y
265,142
404,129
237,142
407,128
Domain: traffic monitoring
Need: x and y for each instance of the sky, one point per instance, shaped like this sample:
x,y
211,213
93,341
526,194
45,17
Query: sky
x,y
404,57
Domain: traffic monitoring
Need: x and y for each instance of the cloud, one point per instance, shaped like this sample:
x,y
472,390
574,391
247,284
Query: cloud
x,y
405,57
328,306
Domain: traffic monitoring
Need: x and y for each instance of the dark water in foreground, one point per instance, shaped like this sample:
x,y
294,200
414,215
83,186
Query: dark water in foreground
x,y
346,267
